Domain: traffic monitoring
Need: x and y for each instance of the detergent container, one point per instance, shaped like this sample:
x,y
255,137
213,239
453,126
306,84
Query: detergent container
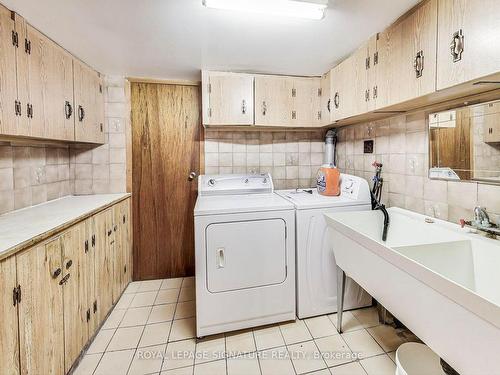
x,y
328,180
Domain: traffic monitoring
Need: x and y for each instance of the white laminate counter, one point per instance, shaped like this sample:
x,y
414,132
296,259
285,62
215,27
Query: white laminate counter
x,y
22,228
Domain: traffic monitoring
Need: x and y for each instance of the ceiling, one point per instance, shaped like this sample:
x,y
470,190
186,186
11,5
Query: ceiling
x,y
174,39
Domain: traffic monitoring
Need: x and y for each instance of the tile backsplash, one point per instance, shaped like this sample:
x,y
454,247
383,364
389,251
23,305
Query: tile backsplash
x,y
293,158
401,144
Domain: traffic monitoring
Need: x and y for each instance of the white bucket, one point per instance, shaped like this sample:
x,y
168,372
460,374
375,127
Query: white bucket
x,y
417,359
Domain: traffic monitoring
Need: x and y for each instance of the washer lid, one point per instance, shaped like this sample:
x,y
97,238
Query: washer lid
x,y
231,204
353,191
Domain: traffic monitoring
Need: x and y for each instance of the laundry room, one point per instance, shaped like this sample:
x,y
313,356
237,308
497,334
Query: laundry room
x,y
249,187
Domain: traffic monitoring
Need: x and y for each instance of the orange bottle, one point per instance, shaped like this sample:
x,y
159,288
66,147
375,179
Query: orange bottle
x,y
328,180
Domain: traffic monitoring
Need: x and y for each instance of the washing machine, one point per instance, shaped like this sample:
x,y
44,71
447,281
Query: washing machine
x,y
316,267
244,254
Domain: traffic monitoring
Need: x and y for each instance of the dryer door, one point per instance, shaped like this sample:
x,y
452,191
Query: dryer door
x,y
245,254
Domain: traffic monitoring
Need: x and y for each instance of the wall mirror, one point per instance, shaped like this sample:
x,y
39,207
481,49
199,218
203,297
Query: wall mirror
x,y
464,143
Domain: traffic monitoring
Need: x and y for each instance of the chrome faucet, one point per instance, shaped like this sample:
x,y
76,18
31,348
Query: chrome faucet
x,y
482,222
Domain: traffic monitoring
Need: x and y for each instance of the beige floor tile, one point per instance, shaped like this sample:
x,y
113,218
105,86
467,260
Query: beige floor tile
x,y
183,329
211,348
155,334
243,365
188,282
162,313
125,301
211,368
88,364
143,299
179,371
185,310
306,357
101,341
361,342
132,287
320,372
171,283
276,362
368,317
320,326
147,360
187,294
125,338
137,316
167,296
392,355
149,286
387,337
240,342
268,337
349,321
334,350
179,354
353,368
380,365
116,363
295,332
114,319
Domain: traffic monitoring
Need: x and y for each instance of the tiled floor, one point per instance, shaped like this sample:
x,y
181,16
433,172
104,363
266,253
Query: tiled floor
x,y
152,331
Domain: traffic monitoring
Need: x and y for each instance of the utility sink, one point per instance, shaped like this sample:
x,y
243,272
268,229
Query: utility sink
x,y
440,280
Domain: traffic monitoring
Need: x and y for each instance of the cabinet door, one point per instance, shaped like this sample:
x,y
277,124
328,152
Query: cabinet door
x,y
372,72
345,94
8,92
478,23
119,258
358,89
491,127
127,241
305,102
9,339
23,122
41,336
74,293
273,100
89,102
103,265
326,100
230,97
388,47
89,275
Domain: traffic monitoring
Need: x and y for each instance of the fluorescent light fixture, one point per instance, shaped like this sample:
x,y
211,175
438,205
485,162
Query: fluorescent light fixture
x,y
310,9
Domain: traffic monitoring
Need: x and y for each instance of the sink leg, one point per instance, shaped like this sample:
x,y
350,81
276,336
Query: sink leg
x,y
340,297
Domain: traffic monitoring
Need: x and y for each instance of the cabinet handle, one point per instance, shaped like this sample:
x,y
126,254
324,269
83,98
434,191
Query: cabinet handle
x,y
81,113
243,106
69,264
294,115
336,100
328,105
56,273
68,110
109,232
123,219
457,45
64,279
418,63
264,108
375,92
115,228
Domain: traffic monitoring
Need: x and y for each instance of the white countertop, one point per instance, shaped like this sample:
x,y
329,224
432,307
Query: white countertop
x,y
19,229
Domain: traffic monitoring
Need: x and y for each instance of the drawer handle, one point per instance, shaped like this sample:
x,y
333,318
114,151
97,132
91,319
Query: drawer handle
x,y
64,279
56,273
457,45
220,258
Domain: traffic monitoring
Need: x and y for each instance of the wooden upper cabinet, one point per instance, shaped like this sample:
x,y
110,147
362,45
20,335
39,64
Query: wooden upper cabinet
x,y
273,100
372,65
306,102
346,98
41,321
89,104
9,339
228,98
326,100
8,91
468,41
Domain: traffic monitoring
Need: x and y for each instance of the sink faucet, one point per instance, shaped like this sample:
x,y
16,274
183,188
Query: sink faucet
x,y
376,205
482,222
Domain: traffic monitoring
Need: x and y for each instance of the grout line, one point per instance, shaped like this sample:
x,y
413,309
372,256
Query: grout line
x,y
316,345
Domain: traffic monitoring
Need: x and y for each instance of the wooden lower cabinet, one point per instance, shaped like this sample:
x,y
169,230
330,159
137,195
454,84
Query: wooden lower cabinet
x,y
67,285
9,339
41,315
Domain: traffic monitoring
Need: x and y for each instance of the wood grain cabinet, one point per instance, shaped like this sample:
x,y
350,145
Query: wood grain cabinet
x,y
273,100
228,98
468,41
306,102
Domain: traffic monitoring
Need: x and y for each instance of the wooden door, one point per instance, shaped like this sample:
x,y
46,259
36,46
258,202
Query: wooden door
x,y
74,293
230,99
8,83
478,21
41,336
89,102
273,100
9,339
103,265
23,123
166,133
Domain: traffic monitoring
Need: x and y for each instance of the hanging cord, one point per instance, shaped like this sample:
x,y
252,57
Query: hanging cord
x,y
378,183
